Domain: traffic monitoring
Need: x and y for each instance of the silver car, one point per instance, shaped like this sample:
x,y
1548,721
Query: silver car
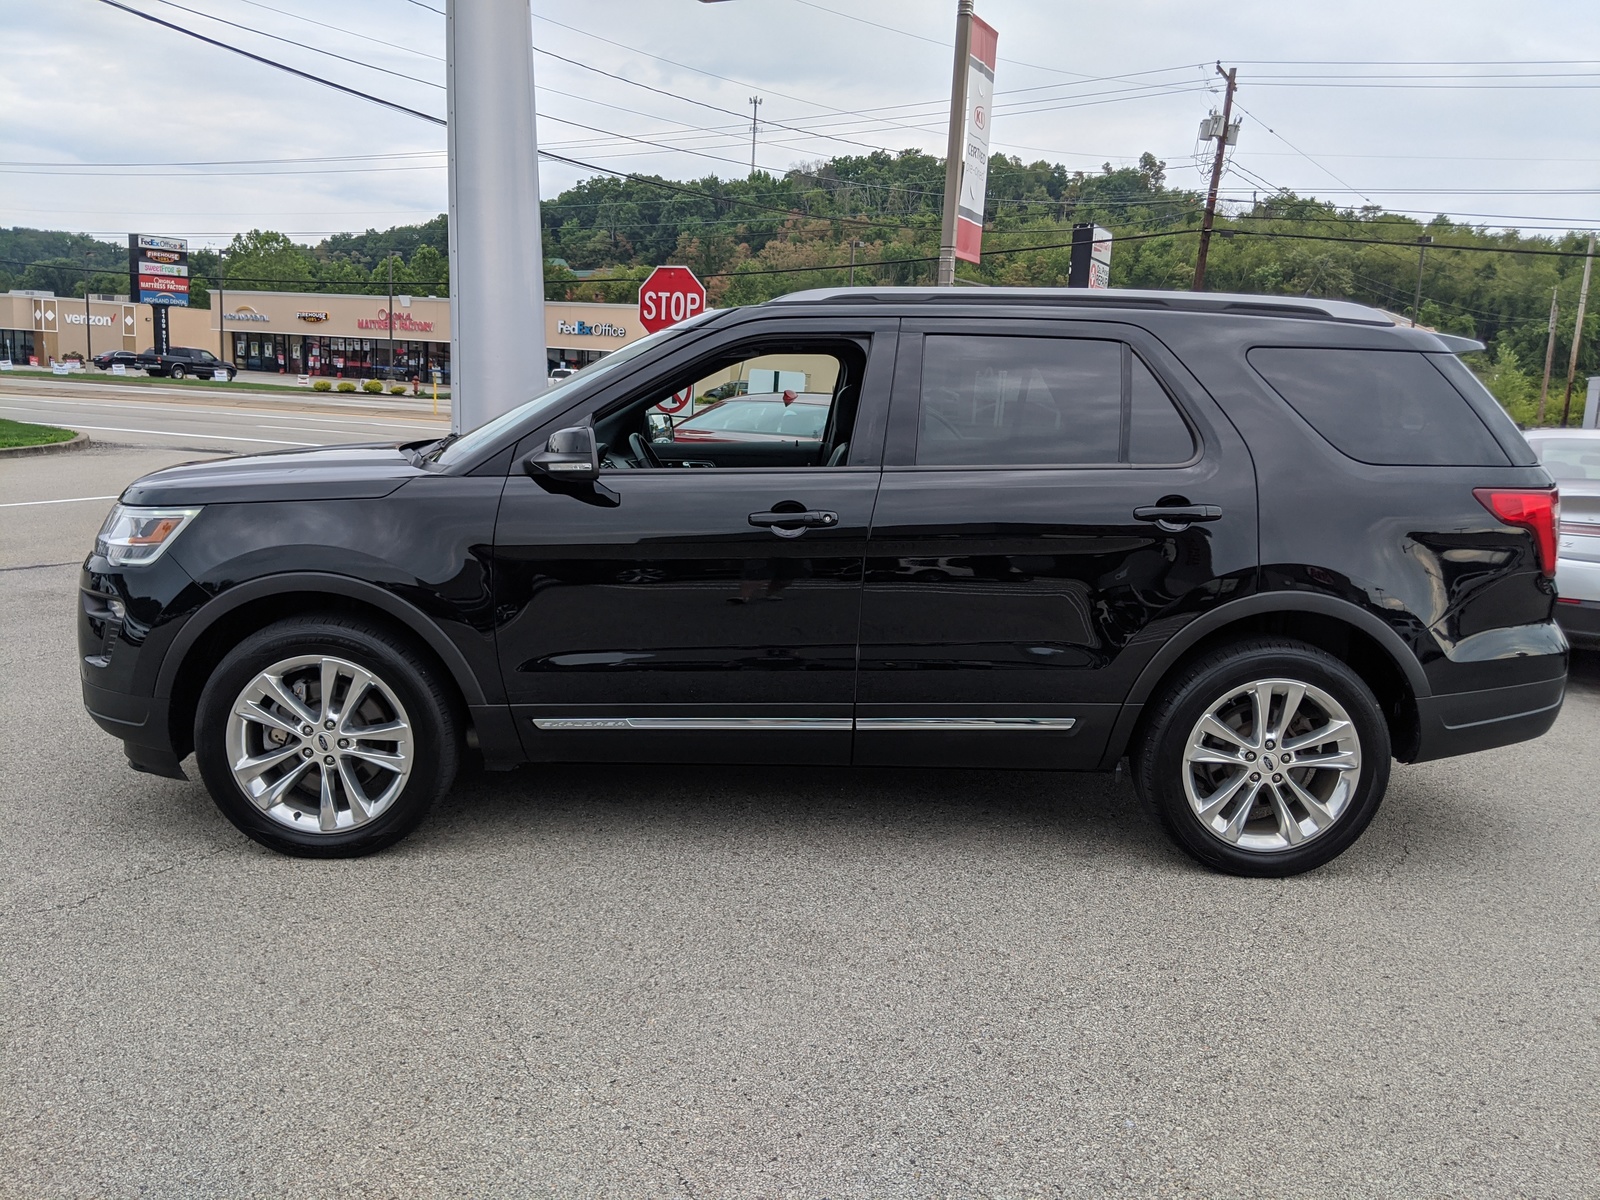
x,y
1572,456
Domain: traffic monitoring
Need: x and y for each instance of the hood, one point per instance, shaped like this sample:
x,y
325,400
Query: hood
x,y
362,472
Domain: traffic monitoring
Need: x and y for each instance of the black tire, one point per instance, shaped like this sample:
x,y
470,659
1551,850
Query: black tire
x,y
426,700
176,372
1160,770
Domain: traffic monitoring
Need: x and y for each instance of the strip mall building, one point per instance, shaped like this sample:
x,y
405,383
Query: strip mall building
x,y
297,333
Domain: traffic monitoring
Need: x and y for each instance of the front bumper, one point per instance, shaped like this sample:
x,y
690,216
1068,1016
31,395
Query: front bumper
x,y
141,723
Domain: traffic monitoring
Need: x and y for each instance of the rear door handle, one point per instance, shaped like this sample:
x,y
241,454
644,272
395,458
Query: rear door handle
x,y
1178,514
811,519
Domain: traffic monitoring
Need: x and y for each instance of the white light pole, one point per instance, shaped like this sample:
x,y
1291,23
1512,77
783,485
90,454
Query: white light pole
x,y
496,261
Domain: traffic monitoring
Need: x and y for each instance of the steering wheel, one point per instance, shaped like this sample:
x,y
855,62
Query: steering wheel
x,y
642,454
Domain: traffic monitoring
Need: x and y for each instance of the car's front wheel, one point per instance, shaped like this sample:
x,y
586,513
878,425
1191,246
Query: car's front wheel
x,y
1266,757
325,737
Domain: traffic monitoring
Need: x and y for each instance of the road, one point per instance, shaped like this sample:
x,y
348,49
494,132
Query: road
x,y
688,982
225,422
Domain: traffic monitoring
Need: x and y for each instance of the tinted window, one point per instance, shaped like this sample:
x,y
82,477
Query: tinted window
x,y
1156,433
1014,401
1392,408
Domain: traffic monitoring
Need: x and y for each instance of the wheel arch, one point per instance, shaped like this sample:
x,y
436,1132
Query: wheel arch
x,y
243,609
1357,637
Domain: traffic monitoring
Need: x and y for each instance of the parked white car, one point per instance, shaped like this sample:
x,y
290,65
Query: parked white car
x,y
1572,456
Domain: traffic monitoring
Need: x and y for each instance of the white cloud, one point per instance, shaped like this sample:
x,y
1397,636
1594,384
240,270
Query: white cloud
x,y
84,82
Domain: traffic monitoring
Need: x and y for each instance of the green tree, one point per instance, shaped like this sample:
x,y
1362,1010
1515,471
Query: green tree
x,y
264,261
1510,384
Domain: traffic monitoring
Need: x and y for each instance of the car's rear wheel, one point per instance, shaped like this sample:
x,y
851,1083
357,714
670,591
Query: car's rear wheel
x,y
177,372
325,737
1266,757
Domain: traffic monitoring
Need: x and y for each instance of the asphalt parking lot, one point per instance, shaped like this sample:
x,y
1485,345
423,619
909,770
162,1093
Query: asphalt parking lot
x,y
690,982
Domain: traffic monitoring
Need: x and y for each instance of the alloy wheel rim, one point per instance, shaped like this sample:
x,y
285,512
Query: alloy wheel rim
x,y
1271,765
318,744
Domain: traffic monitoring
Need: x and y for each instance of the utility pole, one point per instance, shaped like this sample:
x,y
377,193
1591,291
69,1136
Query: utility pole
x,y
390,311
1577,332
222,308
1223,136
956,146
1423,243
755,104
854,242
1549,354
88,321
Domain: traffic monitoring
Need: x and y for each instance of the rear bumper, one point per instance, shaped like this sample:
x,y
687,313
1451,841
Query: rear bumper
x,y
1580,621
1466,722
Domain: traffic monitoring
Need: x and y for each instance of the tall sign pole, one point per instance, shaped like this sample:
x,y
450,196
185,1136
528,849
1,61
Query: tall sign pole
x,y
496,261
1225,134
1577,332
966,168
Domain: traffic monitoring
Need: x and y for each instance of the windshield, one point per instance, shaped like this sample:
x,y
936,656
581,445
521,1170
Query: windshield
x,y
1569,458
469,444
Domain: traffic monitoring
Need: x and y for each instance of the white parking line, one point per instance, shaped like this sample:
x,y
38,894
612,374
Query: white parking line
x,y
69,500
192,434
243,413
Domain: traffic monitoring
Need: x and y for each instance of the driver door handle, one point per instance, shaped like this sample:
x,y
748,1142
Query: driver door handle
x,y
1178,514
813,519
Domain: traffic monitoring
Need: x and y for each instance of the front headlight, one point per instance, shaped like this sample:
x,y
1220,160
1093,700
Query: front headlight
x,y
132,537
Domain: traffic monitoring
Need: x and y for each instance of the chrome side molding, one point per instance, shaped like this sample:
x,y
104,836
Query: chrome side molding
x,y
786,724
806,724
938,723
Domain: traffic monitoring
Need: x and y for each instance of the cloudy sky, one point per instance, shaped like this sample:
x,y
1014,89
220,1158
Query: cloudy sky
x,y
1479,109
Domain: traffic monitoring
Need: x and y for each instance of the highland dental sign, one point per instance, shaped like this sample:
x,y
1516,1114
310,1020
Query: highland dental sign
x,y
584,329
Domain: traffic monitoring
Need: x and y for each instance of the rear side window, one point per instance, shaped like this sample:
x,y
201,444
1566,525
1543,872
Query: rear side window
x,y
1386,407
1026,401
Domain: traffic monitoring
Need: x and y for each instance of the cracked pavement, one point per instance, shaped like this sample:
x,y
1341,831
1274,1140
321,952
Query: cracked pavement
x,y
676,982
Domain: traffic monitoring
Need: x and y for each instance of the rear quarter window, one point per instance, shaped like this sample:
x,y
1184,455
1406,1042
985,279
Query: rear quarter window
x,y
1386,407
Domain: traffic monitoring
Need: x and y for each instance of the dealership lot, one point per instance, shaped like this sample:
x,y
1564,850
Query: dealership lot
x,y
598,980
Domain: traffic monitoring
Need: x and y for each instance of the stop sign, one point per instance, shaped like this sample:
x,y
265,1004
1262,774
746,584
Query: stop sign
x,y
670,295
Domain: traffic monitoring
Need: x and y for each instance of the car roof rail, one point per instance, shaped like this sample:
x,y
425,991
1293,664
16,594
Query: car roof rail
x,y
1222,303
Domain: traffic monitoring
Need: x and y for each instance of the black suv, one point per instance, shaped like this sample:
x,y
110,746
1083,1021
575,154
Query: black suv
x,y
179,361
1257,547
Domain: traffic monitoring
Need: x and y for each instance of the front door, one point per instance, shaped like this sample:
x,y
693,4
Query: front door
x,y
1056,495
698,606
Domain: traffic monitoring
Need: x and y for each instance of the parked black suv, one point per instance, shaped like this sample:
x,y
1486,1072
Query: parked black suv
x,y
1257,547
179,361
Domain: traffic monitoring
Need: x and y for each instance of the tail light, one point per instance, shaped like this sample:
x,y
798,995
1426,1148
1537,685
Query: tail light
x,y
1538,511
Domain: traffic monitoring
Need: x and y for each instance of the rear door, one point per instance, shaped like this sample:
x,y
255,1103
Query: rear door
x,y
1058,498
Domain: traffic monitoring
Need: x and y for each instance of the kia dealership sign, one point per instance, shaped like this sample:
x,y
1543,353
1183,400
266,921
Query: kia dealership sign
x,y
670,295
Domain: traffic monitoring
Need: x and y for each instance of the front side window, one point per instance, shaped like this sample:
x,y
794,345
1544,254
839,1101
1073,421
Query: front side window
x,y
779,404
1043,401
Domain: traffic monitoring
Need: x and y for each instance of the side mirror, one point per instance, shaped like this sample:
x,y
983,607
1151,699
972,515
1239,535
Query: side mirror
x,y
570,456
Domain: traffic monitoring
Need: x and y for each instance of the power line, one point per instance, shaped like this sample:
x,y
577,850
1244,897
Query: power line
x,y
328,83
291,42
